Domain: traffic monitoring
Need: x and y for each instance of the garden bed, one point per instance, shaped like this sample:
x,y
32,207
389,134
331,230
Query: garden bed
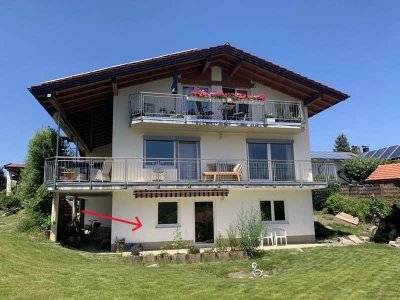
x,y
187,258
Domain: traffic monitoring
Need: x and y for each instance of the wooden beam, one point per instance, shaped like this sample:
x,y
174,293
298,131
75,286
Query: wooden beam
x,y
314,98
115,87
205,66
60,110
236,68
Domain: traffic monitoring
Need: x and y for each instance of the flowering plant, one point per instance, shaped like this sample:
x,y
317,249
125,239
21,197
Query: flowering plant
x,y
226,96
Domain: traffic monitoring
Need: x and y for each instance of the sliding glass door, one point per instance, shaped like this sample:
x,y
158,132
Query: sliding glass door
x,y
188,164
271,161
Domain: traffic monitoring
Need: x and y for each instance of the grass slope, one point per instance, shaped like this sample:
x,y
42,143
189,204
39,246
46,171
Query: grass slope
x,y
36,269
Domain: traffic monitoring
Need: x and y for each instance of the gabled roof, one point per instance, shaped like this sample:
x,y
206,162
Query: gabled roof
x,y
81,97
390,172
331,155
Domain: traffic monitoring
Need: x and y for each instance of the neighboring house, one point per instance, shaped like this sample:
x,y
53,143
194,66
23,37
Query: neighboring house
x,y
330,163
13,176
385,174
189,159
390,153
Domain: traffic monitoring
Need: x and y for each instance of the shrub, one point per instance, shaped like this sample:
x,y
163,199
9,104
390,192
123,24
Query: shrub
x,y
34,222
178,242
319,197
193,249
10,201
358,170
363,208
232,238
221,244
249,227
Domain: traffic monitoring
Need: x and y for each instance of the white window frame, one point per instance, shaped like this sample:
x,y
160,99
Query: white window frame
x,y
273,221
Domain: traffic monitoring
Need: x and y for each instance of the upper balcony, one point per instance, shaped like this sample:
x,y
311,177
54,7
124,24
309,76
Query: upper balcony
x,y
122,173
182,109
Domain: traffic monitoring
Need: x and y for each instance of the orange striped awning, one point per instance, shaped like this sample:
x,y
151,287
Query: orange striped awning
x,y
180,193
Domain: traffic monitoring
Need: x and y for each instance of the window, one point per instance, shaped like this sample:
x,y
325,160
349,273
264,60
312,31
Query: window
x,y
159,152
273,210
271,160
167,213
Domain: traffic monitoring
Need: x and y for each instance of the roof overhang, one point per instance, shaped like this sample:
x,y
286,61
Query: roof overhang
x,y
84,101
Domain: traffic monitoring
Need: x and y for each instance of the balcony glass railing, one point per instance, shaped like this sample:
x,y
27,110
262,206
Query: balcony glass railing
x,y
181,108
136,171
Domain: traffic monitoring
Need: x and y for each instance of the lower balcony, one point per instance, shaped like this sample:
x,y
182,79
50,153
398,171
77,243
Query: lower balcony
x,y
129,173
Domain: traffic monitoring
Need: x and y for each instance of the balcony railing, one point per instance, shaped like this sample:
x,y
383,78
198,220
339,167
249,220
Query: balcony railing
x,y
184,109
126,172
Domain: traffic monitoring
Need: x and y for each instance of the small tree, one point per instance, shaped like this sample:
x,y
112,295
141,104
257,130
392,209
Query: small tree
x,y
36,199
358,170
2,179
341,144
249,228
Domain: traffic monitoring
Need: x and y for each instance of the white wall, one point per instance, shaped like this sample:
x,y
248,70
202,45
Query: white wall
x,y
298,209
101,204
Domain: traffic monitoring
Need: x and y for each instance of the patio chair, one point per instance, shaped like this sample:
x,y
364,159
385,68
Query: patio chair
x,y
279,235
236,172
103,174
268,235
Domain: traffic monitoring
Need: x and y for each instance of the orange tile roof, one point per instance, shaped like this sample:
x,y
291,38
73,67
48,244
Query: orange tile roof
x,y
385,172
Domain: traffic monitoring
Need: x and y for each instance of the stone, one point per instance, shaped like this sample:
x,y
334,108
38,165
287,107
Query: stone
x,y
355,239
365,238
208,256
152,266
373,229
300,250
149,258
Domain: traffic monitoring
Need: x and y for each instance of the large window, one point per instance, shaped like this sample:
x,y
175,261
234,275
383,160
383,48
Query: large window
x,y
168,213
273,210
159,152
271,161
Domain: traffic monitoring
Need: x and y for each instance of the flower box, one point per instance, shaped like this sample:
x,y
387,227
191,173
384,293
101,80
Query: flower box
x,y
179,257
164,258
135,258
208,256
150,258
200,95
223,255
193,258
236,254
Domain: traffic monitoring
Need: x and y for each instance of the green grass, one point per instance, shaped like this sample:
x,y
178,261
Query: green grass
x,y
37,269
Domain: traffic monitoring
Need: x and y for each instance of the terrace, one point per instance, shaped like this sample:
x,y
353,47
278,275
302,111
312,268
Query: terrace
x,y
123,173
184,109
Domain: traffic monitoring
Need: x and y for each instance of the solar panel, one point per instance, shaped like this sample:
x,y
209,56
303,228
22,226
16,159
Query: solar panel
x,y
379,152
395,154
370,154
389,151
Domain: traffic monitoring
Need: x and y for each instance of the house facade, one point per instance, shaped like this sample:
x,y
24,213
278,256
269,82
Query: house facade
x,y
185,141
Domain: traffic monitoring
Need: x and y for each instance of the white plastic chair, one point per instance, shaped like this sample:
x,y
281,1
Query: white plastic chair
x,y
268,235
279,235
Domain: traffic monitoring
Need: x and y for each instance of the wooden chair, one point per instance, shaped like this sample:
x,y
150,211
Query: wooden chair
x,y
236,172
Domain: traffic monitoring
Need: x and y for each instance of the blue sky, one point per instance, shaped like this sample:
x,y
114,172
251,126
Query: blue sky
x,y
352,46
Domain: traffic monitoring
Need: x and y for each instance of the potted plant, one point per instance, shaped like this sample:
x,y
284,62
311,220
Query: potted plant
x,y
269,118
135,255
193,254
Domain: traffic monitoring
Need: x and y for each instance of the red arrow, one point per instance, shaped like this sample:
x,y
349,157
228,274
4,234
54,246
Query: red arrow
x,y
137,224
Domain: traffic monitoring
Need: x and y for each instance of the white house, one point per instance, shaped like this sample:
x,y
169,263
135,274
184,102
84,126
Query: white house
x,y
185,140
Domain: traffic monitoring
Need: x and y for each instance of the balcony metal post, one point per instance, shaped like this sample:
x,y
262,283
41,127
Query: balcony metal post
x,y
125,172
90,173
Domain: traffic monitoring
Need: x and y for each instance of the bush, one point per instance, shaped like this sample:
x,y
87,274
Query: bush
x,y
178,242
363,208
7,202
232,239
221,244
358,170
249,228
193,249
319,197
34,222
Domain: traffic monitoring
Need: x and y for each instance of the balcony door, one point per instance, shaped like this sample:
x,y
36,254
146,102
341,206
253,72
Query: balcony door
x,y
271,161
188,163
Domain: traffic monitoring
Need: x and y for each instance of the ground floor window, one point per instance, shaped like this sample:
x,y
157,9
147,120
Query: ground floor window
x,y
168,213
273,210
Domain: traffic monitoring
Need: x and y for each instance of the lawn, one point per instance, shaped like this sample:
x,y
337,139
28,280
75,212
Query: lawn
x,y
37,269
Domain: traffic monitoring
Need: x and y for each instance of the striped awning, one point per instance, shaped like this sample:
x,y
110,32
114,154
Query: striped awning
x,y
180,193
